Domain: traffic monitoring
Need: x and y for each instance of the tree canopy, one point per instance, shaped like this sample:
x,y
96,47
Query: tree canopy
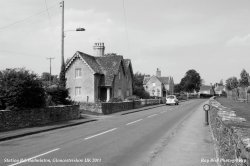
x,y
232,83
138,89
191,81
244,76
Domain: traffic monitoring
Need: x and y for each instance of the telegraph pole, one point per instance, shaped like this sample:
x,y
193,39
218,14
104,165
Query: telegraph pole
x,y
62,73
50,58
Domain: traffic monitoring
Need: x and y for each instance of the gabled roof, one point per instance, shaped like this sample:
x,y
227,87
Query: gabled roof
x,y
219,88
205,87
110,66
163,80
88,59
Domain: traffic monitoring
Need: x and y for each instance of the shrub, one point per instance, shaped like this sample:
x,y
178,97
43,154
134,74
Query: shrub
x,y
132,98
20,89
57,95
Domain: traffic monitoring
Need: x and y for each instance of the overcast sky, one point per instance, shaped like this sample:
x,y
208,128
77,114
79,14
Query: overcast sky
x,y
210,36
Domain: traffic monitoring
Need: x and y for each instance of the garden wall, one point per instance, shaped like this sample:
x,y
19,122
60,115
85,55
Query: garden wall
x,y
109,108
34,117
232,136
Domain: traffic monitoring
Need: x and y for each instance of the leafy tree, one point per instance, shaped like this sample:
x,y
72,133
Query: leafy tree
x,y
221,82
48,79
19,89
191,81
138,89
62,78
57,95
177,88
244,76
232,83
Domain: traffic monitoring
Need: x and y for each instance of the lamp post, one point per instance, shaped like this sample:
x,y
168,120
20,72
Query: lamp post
x,y
62,72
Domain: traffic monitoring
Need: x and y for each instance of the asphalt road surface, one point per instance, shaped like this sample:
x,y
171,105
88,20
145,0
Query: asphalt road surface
x,y
119,140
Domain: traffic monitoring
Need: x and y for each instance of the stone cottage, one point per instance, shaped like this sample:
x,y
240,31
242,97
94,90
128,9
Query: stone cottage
x,y
157,85
99,77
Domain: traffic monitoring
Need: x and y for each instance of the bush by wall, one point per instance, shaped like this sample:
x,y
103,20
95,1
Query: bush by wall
x,y
19,89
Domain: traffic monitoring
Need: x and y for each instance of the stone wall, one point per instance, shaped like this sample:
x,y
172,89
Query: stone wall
x,y
232,135
109,108
34,117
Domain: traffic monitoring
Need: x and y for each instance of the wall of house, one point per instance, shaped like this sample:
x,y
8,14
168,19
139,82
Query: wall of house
x,y
97,79
129,83
158,86
120,84
86,82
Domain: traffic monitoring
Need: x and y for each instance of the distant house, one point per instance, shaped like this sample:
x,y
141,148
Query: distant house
x,y
206,89
158,86
99,77
219,89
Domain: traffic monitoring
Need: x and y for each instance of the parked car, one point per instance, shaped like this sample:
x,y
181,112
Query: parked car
x,y
172,99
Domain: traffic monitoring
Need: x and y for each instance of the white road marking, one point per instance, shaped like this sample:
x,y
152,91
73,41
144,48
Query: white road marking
x,y
150,116
134,122
100,134
26,160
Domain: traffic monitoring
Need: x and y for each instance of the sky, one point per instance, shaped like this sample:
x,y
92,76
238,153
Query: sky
x,y
210,36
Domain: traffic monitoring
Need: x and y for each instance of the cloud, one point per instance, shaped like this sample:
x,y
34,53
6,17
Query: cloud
x,y
239,41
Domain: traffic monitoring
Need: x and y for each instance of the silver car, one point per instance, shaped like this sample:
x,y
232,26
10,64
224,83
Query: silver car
x,y
172,99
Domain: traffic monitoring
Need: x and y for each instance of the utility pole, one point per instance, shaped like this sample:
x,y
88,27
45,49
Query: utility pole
x,y
50,58
62,73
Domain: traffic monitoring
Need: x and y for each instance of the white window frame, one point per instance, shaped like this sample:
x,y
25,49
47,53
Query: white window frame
x,y
78,91
78,72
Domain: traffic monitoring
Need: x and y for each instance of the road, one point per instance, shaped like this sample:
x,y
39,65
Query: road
x,y
119,140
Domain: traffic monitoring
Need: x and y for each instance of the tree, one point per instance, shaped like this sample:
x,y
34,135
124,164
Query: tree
x,y
177,88
243,81
19,89
48,79
232,83
191,81
62,78
138,89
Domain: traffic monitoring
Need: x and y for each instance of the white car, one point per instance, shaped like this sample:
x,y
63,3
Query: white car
x,y
171,99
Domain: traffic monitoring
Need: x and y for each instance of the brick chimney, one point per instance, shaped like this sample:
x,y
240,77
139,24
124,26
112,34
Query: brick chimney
x,y
99,49
158,73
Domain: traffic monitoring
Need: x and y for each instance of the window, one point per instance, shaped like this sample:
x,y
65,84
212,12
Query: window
x,y
119,92
153,84
78,72
78,91
119,75
127,93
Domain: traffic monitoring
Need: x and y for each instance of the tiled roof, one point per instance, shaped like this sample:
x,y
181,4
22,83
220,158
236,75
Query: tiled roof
x,y
219,88
91,61
164,80
205,87
110,66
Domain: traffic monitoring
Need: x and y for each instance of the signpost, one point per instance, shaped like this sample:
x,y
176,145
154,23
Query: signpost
x,y
206,108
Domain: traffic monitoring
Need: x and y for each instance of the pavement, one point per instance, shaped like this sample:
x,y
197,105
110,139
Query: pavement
x,y
191,145
12,134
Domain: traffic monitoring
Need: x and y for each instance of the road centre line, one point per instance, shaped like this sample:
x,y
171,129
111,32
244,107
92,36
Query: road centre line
x,y
150,116
134,122
100,134
26,160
